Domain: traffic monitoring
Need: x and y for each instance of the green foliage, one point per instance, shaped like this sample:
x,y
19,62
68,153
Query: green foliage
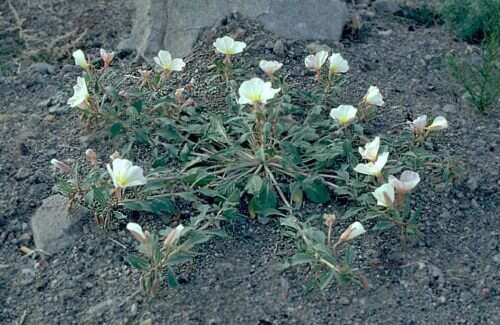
x,y
481,80
263,160
472,20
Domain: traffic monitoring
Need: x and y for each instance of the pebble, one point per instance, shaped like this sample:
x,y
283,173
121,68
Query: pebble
x,y
22,173
42,67
279,48
386,6
496,258
27,277
315,47
450,108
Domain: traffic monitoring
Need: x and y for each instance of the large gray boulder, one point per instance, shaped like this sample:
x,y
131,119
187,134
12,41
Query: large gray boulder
x,y
56,226
176,24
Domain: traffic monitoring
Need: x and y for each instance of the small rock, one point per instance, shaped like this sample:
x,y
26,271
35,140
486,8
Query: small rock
x,y
22,173
59,109
100,308
45,103
55,226
133,309
344,301
279,48
42,67
450,108
473,183
496,258
269,45
315,47
146,322
27,277
386,6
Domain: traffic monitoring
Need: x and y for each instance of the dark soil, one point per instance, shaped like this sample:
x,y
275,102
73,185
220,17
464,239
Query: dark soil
x,y
450,276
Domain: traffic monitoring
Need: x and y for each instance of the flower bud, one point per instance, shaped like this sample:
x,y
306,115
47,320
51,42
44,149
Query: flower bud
x,y
136,231
354,230
179,96
106,57
330,219
61,166
91,156
173,236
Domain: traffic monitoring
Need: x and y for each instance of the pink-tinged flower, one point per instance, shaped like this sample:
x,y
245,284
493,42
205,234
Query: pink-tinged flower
x,y
406,182
354,230
374,97
270,67
314,62
385,195
136,232
106,57
61,166
373,168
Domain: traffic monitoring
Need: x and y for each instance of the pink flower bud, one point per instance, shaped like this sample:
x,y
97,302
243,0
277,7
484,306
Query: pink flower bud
x,y
91,156
61,166
107,57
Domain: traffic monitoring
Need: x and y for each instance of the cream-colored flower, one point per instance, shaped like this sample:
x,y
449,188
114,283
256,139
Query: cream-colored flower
x,y
166,63
256,91
136,231
173,236
106,57
91,156
270,67
330,219
314,62
418,125
80,59
374,97
61,166
370,151
344,114
354,230
406,182
338,64
81,94
439,123
125,174
385,195
228,46
373,168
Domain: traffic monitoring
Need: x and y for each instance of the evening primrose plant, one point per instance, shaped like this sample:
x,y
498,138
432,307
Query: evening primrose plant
x,y
269,151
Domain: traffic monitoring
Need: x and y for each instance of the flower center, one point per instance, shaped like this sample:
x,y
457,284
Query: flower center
x,y
121,180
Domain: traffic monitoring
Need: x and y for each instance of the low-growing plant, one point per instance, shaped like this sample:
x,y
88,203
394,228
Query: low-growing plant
x,y
481,80
268,152
472,20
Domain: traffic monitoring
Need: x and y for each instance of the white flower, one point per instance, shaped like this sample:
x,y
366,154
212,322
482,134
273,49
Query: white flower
x,y
373,168
136,231
91,156
81,94
418,125
63,167
256,91
124,174
439,123
370,151
338,64
80,59
270,67
343,114
406,182
173,236
314,62
374,97
385,195
228,46
106,57
354,230
165,61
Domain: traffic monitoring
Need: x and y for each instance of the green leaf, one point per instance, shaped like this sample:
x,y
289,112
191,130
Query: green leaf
x,y
171,279
254,184
159,206
300,258
264,200
179,259
138,262
117,129
316,191
383,225
325,279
